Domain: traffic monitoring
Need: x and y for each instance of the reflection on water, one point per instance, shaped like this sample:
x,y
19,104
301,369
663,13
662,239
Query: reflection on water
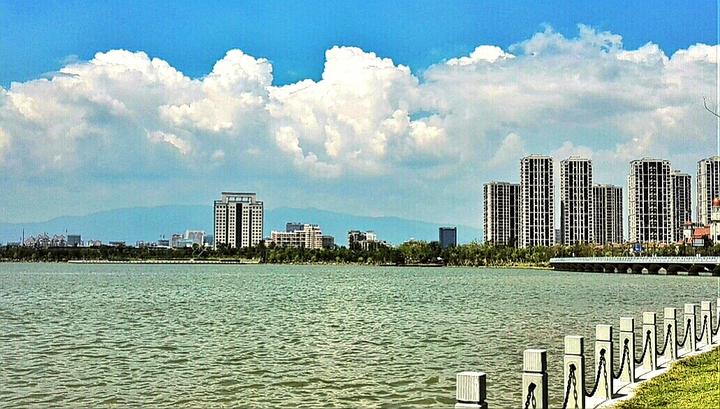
x,y
297,336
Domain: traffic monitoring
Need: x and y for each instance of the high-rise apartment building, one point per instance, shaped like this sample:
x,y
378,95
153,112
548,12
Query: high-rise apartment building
x,y
650,197
608,214
576,201
708,187
537,213
238,220
681,205
501,208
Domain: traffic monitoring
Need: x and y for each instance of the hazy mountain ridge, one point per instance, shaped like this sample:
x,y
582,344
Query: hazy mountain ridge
x,y
150,223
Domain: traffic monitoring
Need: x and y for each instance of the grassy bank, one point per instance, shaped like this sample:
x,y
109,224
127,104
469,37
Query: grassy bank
x,y
693,383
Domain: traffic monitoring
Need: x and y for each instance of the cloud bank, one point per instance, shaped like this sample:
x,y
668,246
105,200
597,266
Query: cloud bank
x,y
129,128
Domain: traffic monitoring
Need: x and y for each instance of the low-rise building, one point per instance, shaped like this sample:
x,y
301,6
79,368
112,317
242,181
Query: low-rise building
x,y
309,237
364,240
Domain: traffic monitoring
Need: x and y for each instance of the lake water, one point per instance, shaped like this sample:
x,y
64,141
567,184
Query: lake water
x,y
297,336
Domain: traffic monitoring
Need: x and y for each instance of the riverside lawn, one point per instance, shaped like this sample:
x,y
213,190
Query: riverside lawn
x,y
693,383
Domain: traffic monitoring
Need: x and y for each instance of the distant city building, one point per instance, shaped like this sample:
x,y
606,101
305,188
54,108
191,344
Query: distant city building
x,y
195,237
175,240
163,243
294,226
608,209
74,240
715,221
328,242
238,220
361,240
537,211
309,237
708,187
682,197
650,197
576,201
93,243
118,243
447,236
501,208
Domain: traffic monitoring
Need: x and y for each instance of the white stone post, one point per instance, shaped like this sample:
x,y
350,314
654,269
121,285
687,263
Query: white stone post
x,y
574,364
604,349
535,379
706,321
470,390
627,337
650,330
691,316
670,321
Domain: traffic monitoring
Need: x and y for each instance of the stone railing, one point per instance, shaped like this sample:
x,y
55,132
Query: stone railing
x,y
678,341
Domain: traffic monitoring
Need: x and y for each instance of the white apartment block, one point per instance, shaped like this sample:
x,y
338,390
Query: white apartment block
x,y
682,198
501,208
536,202
650,198
309,237
608,209
238,220
576,201
708,187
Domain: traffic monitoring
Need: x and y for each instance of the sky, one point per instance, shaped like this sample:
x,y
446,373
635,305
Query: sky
x,y
374,108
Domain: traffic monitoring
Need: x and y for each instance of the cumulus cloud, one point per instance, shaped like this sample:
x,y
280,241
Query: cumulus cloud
x,y
126,114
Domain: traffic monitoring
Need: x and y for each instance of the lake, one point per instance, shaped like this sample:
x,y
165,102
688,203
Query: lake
x,y
298,336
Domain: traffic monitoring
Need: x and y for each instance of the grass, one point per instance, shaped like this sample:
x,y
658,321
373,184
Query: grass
x,y
693,383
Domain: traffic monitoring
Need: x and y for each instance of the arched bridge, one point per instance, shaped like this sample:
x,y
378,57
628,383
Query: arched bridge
x,y
640,265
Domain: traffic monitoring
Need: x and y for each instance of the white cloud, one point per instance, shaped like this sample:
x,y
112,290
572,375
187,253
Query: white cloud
x,y
125,114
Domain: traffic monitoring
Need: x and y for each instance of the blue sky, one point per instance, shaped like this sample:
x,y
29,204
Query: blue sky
x,y
37,37
374,108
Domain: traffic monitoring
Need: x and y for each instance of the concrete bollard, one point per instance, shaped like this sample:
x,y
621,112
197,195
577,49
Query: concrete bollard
x,y
627,338
604,350
670,327
717,318
470,390
706,321
691,321
650,330
574,364
535,379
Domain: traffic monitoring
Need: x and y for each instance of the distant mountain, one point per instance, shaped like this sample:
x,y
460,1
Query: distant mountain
x,y
150,223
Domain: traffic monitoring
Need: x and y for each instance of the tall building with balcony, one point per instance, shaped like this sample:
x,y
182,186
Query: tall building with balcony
x,y
576,201
681,205
708,187
608,214
238,220
650,199
537,208
501,209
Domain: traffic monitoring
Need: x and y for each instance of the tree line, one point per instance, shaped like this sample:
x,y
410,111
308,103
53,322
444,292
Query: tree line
x,y
408,253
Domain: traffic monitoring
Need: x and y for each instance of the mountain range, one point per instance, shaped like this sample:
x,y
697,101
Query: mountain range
x,y
152,223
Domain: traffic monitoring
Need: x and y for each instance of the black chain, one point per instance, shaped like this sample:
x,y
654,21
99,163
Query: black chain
x,y
601,366
572,381
687,332
531,397
646,347
717,329
626,354
702,331
667,340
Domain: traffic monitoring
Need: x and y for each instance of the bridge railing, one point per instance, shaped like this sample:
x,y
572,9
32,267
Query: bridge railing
x,y
680,338
637,259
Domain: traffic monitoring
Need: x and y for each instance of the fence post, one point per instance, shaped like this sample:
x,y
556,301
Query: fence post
x,y
535,379
717,316
470,390
627,339
691,317
706,321
670,327
574,364
650,330
604,352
